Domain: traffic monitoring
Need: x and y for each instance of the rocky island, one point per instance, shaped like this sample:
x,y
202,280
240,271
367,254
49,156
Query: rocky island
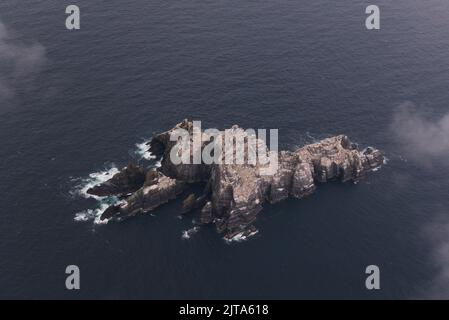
x,y
234,194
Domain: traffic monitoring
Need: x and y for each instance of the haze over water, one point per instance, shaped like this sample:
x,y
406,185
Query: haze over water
x,y
74,103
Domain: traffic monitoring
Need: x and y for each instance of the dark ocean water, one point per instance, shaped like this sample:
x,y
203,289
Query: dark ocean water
x,y
308,68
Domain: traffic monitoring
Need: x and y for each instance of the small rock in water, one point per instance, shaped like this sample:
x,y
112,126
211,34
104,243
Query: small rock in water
x,y
188,204
186,234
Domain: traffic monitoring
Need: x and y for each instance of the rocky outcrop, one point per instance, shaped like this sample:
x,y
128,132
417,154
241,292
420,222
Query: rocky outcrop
x,y
128,180
150,196
161,146
206,215
235,193
188,204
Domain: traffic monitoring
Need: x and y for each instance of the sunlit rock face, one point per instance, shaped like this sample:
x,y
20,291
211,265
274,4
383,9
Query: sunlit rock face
x,y
234,193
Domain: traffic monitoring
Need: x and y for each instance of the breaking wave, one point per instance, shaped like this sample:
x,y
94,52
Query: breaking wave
x,y
95,214
92,180
241,236
187,234
96,178
143,150
103,203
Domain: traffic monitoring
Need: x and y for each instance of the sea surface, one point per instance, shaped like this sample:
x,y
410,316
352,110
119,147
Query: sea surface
x,y
75,105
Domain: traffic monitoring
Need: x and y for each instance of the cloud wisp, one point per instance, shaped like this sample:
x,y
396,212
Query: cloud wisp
x,y
19,61
420,138
424,139
438,233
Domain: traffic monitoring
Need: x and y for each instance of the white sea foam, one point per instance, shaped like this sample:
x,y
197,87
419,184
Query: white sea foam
x,y
94,179
95,214
92,214
143,151
85,184
241,236
186,234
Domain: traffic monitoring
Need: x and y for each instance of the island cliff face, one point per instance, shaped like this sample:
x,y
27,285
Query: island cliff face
x,y
234,193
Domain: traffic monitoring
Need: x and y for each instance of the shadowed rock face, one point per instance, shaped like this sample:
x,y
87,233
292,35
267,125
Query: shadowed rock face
x,y
128,180
235,193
